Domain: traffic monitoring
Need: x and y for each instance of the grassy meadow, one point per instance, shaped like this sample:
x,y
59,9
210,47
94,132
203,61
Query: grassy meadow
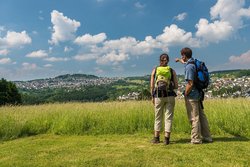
x,y
118,134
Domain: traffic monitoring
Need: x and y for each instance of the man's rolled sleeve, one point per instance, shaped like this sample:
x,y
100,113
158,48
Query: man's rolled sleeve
x,y
189,74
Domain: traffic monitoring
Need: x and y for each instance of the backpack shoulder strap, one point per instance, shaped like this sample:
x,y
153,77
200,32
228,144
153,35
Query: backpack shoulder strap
x,y
172,76
155,72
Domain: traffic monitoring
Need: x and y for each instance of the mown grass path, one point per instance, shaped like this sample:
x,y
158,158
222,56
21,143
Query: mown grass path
x,y
122,150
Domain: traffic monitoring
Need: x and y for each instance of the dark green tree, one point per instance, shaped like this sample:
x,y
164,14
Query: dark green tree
x,y
145,95
9,93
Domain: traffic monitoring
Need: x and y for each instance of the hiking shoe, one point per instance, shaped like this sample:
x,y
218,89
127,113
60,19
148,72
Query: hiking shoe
x,y
166,141
196,142
207,140
155,140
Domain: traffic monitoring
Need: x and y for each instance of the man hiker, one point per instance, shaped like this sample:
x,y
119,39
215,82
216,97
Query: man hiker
x,y
193,96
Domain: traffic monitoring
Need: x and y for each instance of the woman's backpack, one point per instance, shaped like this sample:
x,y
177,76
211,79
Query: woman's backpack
x,y
162,78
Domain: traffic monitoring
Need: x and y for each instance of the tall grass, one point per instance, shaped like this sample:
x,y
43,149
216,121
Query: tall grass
x,y
225,116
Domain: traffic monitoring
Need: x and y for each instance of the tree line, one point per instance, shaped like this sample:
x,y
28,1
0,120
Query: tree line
x,y
9,93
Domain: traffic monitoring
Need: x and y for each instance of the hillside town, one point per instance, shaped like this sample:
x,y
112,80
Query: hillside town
x,y
224,87
216,85
70,83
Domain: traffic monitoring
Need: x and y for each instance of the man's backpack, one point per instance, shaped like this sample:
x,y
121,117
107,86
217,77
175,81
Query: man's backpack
x,y
162,78
202,75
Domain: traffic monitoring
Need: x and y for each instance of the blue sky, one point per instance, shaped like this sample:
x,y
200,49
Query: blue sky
x,y
113,38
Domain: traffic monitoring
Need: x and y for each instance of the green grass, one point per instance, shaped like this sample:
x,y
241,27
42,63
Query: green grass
x,y
118,134
122,150
228,116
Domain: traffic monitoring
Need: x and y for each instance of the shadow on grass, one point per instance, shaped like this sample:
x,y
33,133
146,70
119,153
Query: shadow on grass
x,y
231,139
218,139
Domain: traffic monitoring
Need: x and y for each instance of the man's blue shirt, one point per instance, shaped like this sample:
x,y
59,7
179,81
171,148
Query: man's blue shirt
x,y
190,72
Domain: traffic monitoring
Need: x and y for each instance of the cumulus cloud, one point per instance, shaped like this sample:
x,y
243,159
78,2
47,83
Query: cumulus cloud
x,y
244,12
4,52
213,32
123,44
67,49
139,5
230,11
98,70
56,59
48,65
243,59
227,18
64,28
85,57
89,39
15,39
2,28
29,66
173,35
145,47
37,54
180,16
115,51
113,58
5,61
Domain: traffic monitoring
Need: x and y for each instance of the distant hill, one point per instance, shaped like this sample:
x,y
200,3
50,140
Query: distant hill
x,y
83,87
67,76
231,73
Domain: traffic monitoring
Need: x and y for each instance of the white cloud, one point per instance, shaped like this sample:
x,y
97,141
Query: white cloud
x,y
243,59
4,52
229,11
213,32
113,58
48,65
145,47
119,50
50,49
63,27
41,18
116,51
67,49
5,61
244,12
15,39
180,16
85,57
173,35
56,59
138,5
37,54
29,66
98,70
2,28
123,44
118,68
228,18
34,32
89,39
